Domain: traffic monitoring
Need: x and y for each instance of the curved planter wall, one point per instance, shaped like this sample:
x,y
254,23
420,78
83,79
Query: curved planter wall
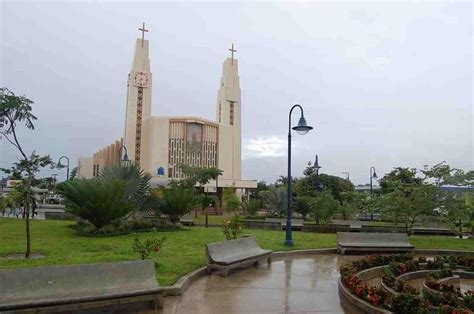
x,y
359,303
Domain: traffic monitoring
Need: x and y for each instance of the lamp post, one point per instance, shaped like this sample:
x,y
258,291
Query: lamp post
x,y
302,128
61,166
373,175
316,165
347,175
125,157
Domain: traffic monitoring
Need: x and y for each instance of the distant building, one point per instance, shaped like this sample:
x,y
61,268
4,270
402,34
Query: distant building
x,y
366,188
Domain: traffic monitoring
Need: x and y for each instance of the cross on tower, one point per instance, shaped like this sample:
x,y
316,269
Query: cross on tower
x,y
232,50
143,30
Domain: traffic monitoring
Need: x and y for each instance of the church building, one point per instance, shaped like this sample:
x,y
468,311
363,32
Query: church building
x,y
160,145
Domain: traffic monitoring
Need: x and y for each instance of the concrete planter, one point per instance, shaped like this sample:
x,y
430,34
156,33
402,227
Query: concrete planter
x,y
360,304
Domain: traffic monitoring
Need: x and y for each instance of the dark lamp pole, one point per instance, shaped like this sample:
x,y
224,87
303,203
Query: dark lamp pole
x,y
373,175
302,128
59,165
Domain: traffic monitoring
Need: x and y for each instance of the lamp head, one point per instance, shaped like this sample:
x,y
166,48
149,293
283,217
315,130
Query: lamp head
x,y
125,157
302,128
374,175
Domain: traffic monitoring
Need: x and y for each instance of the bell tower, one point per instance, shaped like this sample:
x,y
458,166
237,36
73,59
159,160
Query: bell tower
x,y
229,119
138,107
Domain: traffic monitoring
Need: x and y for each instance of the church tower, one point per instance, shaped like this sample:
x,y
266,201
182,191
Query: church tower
x,y
138,108
229,119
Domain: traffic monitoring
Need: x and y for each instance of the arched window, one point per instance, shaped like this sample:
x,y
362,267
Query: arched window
x,y
160,171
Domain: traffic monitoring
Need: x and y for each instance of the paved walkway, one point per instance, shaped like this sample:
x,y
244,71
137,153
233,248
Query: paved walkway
x,y
300,285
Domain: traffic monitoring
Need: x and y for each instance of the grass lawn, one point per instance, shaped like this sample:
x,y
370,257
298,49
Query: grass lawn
x,y
182,252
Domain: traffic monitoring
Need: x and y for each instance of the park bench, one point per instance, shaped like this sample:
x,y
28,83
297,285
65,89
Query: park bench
x,y
187,219
120,286
296,223
372,242
237,253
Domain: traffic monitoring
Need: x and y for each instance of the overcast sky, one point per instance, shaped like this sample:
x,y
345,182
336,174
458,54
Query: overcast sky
x,y
384,84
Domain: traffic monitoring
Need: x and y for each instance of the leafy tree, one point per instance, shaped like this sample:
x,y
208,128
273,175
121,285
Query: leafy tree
x,y
231,201
409,202
15,110
323,207
201,176
399,176
312,184
443,174
100,202
255,193
275,200
177,201
252,206
302,205
457,209
352,203
73,173
138,182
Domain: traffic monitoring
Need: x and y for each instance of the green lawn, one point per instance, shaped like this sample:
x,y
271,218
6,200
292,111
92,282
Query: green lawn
x,y
182,252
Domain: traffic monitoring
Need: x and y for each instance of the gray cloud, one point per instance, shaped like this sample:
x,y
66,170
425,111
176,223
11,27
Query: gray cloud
x,y
384,84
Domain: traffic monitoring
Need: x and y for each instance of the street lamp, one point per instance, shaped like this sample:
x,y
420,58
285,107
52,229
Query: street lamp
x,y
347,175
373,175
302,128
59,165
316,165
125,157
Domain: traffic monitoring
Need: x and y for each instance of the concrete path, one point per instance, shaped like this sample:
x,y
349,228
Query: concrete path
x,y
300,285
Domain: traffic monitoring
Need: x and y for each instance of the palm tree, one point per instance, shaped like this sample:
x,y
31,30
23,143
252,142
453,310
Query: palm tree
x,y
138,182
100,202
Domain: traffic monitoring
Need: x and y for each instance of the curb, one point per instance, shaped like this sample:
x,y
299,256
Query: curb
x,y
284,254
443,252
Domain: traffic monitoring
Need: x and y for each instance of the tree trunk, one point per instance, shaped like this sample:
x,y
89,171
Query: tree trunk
x,y
28,236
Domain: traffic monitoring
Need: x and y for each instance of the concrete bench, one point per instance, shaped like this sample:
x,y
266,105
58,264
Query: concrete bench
x,y
372,242
123,286
237,253
187,220
295,222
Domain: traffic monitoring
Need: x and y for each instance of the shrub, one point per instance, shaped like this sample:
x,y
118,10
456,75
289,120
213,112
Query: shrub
x,y
232,228
143,249
177,201
99,202
252,206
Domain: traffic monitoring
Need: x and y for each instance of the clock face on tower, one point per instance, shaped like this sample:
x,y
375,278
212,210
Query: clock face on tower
x,y
140,79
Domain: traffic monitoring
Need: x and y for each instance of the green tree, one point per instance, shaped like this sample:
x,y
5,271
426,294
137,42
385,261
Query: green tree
x,y
323,206
138,182
231,201
312,184
302,205
255,193
73,173
457,210
275,200
399,177
353,203
201,176
407,203
16,110
252,206
100,202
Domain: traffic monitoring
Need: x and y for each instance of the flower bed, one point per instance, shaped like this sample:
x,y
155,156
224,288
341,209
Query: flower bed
x,y
406,299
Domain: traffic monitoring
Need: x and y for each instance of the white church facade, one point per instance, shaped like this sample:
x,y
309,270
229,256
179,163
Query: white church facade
x,y
160,145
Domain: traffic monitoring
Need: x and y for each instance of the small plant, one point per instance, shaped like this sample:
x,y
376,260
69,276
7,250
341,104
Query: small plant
x,y
232,228
143,249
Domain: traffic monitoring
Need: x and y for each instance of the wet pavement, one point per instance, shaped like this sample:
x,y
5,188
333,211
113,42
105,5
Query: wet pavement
x,y
293,285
